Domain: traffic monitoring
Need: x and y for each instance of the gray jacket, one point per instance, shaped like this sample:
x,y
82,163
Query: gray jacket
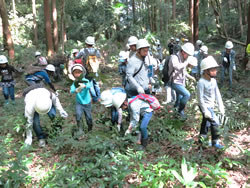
x,y
141,79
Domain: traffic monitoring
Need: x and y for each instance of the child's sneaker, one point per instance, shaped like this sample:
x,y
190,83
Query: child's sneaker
x,y
216,144
42,143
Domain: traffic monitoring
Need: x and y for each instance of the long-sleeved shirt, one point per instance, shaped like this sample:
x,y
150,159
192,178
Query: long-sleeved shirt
x,y
230,57
137,108
30,101
6,73
208,93
40,75
91,51
141,79
177,64
84,96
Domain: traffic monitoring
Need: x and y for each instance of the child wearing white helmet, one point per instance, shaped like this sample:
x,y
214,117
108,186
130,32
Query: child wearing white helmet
x,y
81,87
132,41
39,101
40,60
208,94
107,101
7,82
228,63
40,76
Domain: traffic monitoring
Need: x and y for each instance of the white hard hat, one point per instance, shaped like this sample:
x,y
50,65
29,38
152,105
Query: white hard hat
x,y
50,67
78,67
204,49
37,53
43,103
188,48
157,42
177,40
75,51
90,40
142,43
172,38
198,42
192,60
208,63
229,45
106,98
3,59
123,55
132,40
118,99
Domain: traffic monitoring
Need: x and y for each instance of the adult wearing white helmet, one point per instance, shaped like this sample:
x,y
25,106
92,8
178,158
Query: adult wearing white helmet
x,y
132,41
39,101
137,70
177,71
208,95
107,97
40,76
228,63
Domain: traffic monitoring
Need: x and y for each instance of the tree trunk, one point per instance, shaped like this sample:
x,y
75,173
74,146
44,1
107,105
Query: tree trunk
x,y
174,10
133,9
49,39
55,26
8,42
191,20
34,22
240,17
245,12
154,16
62,25
167,15
230,4
161,15
248,20
196,20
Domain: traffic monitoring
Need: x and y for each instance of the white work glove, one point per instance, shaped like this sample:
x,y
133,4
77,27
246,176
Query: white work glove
x,y
128,131
208,115
64,114
225,59
152,80
234,68
79,89
57,93
140,90
119,128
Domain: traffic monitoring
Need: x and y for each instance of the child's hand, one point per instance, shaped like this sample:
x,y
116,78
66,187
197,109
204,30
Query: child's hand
x,y
81,86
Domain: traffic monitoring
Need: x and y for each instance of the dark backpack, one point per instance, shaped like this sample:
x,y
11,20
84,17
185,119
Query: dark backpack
x,y
165,75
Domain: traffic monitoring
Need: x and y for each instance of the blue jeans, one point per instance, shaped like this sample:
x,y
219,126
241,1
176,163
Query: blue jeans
x,y
182,96
36,122
114,115
230,72
86,109
144,124
212,123
9,91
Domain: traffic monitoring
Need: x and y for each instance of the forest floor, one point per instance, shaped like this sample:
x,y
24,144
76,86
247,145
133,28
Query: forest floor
x,y
45,160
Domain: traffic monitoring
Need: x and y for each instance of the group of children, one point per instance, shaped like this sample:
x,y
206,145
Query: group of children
x,y
39,100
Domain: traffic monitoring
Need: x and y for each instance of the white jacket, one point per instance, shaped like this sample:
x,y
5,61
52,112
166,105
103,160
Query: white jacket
x,y
30,99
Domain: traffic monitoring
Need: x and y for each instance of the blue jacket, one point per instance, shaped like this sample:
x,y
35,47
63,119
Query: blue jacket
x,y
40,75
84,96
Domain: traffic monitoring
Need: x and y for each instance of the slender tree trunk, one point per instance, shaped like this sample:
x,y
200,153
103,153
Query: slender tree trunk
x,y
245,12
8,42
133,9
62,24
154,16
230,4
191,20
34,22
196,20
167,15
174,10
240,17
248,20
55,26
49,39
161,15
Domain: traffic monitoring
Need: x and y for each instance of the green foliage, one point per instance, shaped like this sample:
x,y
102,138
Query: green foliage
x,y
215,174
